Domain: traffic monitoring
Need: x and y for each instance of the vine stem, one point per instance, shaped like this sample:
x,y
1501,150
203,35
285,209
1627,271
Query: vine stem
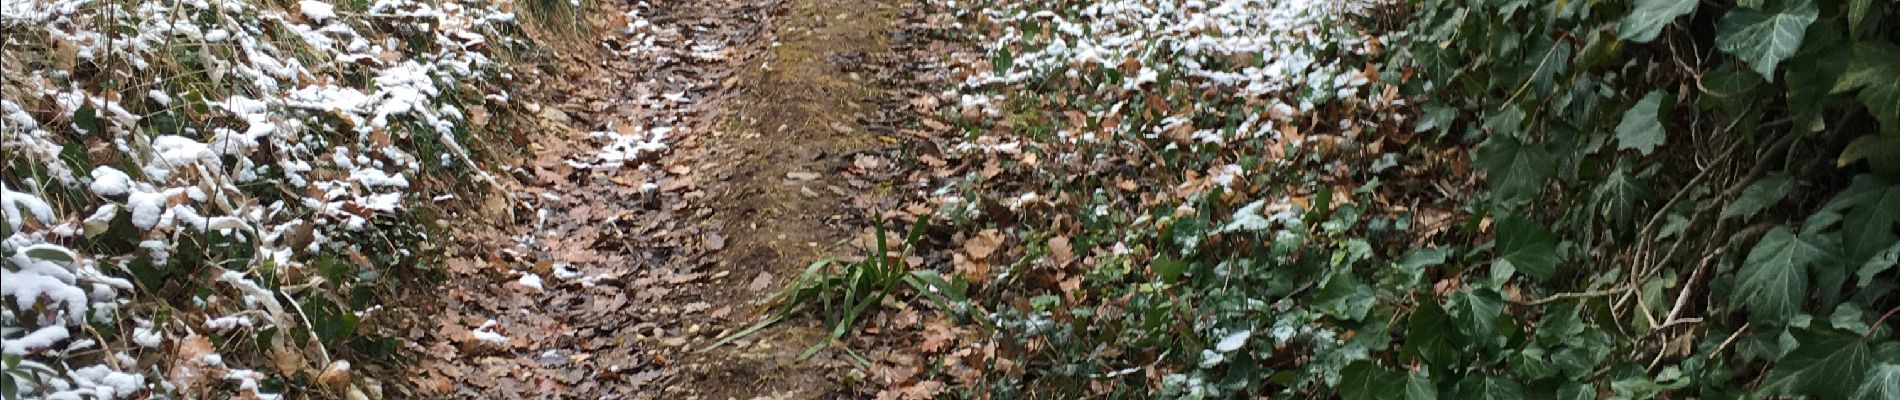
x,y
1575,295
1877,323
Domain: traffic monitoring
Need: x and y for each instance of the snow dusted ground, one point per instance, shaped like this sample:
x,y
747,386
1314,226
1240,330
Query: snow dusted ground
x,y
1125,114
262,137
1272,60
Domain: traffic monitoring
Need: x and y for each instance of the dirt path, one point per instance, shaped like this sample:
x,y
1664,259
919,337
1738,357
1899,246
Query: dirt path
x,y
783,203
590,276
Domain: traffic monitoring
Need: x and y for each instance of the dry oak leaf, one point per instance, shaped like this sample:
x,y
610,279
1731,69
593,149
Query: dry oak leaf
x,y
983,244
191,370
1060,251
976,272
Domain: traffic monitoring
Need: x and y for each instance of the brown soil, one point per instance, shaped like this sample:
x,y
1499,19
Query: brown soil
x,y
663,255
780,153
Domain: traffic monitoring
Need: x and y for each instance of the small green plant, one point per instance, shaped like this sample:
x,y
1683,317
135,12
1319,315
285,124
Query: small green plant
x,y
840,291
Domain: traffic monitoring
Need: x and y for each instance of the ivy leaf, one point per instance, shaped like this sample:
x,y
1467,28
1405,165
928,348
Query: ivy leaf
x,y
1641,129
1619,197
1510,122
1514,169
1168,269
1435,116
1869,226
1856,12
1528,247
1418,387
1774,277
50,253
1875,68
1880,262
1760,195
1650,16
1002,61
1532,363
1883,383
1364,381
1428,335
1476,311
1490,388
1576,391
1827,364
1344,297
1764,38
1873,148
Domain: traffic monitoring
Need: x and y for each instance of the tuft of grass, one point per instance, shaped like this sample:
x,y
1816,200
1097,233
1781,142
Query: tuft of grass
x,y
558,22
840,291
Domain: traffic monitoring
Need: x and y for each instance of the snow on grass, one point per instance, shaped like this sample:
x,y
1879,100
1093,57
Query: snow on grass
x,y
264,135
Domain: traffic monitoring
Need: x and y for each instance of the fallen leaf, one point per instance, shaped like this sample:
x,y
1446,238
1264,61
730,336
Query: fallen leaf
x,y
983,244
1060,252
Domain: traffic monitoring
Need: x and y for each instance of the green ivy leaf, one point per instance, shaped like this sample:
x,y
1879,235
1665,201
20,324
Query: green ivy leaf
x,y
1875,68
1435,117
1002,61
1490,388
1620,196
1576,391
1869,226
1811,76
1883,383
1880,262
1765,37
50,253
1774,277
1528,247
1873,148
1168,269
86,120
1428,335
1476,311
1363,381
1760,195
1641,129
1856,12
1510,122
1418,387
1828,364
1532,363
1344,297
1516,170
1650,17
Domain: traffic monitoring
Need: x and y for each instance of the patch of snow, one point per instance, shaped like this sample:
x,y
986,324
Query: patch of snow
x,y
530,280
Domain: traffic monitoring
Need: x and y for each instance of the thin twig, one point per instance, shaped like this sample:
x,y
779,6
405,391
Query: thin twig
x,y
1730,340
1877,323
1574,295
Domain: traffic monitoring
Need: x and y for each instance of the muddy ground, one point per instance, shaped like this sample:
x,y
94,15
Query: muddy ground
x,y
579,278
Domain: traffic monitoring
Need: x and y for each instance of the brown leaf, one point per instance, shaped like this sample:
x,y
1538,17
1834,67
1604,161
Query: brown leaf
x,y
983,244
760,283
336,376
923,390
190,370
1060,251
975,271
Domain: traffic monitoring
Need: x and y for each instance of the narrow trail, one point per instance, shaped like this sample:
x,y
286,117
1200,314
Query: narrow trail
x,y
687,173
782,203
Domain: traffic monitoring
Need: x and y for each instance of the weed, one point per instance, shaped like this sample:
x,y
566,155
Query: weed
x,y
841,291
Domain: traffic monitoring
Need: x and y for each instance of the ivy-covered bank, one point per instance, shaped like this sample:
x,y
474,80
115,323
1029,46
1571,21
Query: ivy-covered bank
x,y
1707,193
1471,199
